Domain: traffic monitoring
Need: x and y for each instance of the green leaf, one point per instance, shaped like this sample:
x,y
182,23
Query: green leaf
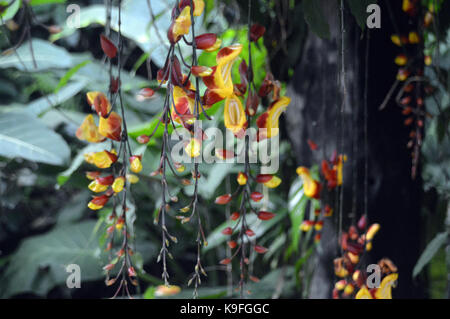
x,y
359,10
41,2
429,252
69,74
39,263
314,17
45,103
45,54
22,135
11,11
297,206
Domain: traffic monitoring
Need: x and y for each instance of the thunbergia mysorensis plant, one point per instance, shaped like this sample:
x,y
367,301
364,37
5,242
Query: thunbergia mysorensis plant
x,y
118,163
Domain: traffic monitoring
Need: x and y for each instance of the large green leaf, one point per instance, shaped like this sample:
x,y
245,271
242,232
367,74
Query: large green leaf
x,y
136,25
297,206
429,252
22,135
40,262
43,104
312,10
45,54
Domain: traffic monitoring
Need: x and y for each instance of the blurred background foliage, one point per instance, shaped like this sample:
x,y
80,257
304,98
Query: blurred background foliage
x,y
44,221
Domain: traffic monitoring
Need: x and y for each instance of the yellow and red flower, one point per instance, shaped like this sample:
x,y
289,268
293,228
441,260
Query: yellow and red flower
x,y
98,202
219,83
99,102
234,115
268,121
103,159
88,131
101,184
311,187
135,163
111,127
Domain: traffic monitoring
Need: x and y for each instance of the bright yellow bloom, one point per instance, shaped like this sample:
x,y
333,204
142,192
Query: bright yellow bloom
x,y
199,6
242,178
135,164
97,187
363,293
182,23
193,148
385,290
88,131
111,127
269,119
310,186
234,115
274,182
118,184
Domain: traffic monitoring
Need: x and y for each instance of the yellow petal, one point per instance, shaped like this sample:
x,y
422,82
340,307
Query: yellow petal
x,y
363,293
199,6
118,184
274,114
182,23
273,183
234,114
385,290
193,148
88,131
111,127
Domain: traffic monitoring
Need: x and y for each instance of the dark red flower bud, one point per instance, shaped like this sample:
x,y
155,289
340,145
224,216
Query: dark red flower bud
x,y
205,41
265,215
256,31
224,199
227,231
256,196
260,249
108,47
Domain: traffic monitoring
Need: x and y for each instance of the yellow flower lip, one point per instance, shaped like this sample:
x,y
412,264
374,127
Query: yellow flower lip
x,y
234,114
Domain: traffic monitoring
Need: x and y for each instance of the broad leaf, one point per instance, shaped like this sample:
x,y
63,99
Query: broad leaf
x,y
22,135
40,262
45,54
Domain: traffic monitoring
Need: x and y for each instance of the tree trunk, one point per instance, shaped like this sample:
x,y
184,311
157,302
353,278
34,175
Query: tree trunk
x,y
393,196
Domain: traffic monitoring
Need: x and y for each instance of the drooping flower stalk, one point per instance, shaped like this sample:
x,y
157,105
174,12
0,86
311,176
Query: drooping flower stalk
x,y
115,186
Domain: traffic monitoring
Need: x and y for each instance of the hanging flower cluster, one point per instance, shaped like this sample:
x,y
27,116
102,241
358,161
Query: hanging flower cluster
x,y
411,61
114,169
220,86
354,243
332,172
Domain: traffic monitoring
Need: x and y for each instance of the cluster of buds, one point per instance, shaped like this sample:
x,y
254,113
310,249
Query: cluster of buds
x,y
332,172
411,62
241,229
353,283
